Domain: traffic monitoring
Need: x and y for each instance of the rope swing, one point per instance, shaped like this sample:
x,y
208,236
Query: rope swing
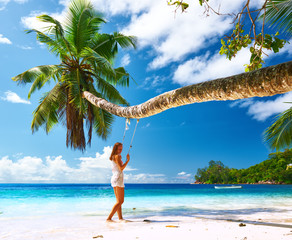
x,y
127,128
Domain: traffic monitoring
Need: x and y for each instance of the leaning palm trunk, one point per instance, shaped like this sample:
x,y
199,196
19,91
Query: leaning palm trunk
x,y
267,81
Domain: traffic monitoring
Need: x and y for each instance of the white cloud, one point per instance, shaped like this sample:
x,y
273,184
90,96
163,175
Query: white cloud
x,y
173,37
153,82
146,126
183,177
100,160
14,98
125,61
21,1
53,169
261,110
182,123
170,36
204,68
4,40
145,178
31,22
25,47
287,48
115,7
3,3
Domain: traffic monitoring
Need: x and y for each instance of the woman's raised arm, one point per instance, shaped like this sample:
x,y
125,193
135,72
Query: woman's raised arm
x,y
118,159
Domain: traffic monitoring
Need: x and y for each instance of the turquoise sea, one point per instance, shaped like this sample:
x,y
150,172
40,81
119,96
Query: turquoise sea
x,y
18,200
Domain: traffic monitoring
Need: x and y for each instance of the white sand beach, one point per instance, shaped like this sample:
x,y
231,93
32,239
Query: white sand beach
x,y
181,227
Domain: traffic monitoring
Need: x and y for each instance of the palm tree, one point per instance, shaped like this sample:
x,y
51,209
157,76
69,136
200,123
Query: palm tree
x,y
86,64
279,134
267,81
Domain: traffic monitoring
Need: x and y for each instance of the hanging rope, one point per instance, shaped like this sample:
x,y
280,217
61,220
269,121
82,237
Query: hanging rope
x,y
126,128
133,135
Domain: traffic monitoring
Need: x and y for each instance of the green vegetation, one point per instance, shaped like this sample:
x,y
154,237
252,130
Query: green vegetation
x,y
274,170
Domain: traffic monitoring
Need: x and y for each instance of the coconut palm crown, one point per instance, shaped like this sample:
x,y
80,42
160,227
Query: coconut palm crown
x,y
86,64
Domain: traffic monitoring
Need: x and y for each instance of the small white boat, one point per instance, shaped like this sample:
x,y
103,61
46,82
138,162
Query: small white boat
x,y
227,187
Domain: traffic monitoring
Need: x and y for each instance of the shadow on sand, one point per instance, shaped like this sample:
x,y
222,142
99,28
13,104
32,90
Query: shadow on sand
x,y
215,214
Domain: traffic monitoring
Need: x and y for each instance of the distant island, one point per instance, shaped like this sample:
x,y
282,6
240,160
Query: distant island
x,y
277,169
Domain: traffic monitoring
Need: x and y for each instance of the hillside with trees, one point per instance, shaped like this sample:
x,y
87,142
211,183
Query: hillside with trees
x,y
273,170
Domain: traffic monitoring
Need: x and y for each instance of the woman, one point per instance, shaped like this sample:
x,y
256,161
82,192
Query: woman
x,y
117,180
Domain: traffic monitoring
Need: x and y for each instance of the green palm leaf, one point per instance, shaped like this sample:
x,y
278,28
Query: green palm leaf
x,y
109,91
55,26
73,81
57,31
82,23
278,135
30,75
55,46
102,120
279,15
101,64
122,78
38,83
106,44
46,112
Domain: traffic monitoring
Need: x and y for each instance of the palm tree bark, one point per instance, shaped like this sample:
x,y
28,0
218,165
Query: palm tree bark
x,y
267,81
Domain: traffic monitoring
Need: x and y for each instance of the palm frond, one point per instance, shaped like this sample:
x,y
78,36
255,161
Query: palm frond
x,y
74,81
102,120
46,112
30,75
55,46
38,83
82,23
99,62
55,26
122,78
278,135
106,44
78,19
125,41
279,15
109,91
56,29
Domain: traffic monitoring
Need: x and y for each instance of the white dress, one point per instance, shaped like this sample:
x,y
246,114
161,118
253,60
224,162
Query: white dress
x,y
117,179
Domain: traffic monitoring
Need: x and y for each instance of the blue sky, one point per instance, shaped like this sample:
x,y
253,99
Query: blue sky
x,y
174,50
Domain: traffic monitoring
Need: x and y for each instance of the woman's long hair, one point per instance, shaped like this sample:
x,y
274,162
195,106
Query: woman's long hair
x,y
115,148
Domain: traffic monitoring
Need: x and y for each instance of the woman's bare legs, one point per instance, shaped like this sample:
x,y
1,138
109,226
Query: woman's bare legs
x,y
119,192
122,193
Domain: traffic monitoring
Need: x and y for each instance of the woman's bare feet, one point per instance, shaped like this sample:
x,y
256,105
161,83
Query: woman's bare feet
x,y
110,220
124,220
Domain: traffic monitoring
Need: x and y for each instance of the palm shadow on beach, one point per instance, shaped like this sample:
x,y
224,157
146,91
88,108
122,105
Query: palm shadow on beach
x,y
233,215
193,212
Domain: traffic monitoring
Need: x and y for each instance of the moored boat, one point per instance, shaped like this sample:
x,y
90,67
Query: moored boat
x,y
227,187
